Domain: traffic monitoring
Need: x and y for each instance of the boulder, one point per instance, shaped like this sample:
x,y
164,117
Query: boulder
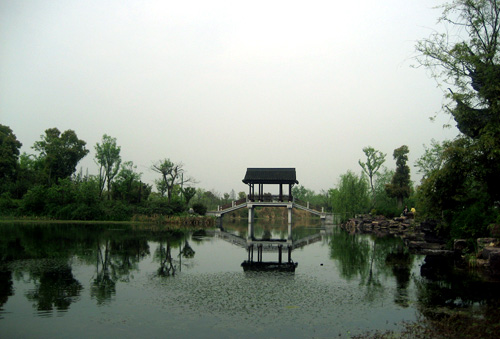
x,y
483,242
494,259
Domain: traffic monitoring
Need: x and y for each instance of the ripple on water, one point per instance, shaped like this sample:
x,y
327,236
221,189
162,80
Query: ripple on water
x,y
261,298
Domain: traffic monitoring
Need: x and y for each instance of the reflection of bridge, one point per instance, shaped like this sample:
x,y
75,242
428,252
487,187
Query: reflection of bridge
x,y
270,245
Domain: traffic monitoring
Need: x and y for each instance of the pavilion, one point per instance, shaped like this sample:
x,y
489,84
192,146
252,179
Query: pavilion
x,y
269,176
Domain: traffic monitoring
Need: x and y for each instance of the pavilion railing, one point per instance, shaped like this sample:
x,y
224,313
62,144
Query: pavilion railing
x,y
268,197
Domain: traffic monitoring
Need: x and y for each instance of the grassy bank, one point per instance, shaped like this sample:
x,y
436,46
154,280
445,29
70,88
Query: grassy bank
x,y
195,221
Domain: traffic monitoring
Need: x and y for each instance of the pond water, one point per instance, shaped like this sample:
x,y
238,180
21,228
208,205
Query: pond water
x,y
141,281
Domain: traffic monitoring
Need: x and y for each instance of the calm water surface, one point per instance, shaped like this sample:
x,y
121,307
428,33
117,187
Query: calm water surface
x,y
101,281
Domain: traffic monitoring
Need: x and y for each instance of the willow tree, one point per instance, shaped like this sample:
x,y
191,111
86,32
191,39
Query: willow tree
x,y
351,195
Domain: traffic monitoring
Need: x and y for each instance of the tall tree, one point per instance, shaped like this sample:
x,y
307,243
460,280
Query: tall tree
x,y
399,187
466,59
374,159
108,158
9,154
59,153
172,174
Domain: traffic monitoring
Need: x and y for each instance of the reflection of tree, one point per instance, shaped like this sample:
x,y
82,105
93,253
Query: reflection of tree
x,y
164,254
104,285
187,250
116,258
400,262
351,252
6,289
55,286
370,260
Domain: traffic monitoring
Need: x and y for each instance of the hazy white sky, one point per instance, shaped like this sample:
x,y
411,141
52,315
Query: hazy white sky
x,y
223,85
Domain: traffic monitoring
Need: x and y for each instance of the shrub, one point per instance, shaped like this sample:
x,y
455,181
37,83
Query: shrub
x,y
33,201
199,209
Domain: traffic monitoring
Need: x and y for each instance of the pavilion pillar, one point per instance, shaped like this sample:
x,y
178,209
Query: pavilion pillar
x,y
289,206
290,198
250,222
281,193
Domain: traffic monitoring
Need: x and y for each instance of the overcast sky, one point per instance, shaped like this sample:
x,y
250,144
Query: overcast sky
x,y
223,85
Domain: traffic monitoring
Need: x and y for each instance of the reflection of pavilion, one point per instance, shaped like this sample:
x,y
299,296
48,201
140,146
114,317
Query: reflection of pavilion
x,y
283,247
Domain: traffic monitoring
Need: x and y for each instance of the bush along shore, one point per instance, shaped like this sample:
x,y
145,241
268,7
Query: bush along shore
x,y
482,254
188,221
191,221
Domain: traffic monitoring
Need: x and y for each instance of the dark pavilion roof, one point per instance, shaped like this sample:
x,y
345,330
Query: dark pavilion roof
x,y
270,176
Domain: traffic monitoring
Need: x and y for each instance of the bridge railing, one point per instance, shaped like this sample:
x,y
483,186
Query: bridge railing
x,y
308,205
233,203
270,198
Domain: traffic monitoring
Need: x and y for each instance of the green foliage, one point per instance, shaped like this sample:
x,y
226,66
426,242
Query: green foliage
x,y
172,175
351,196
8,206
199,209
432,159
128,186
28,175
383,203
472,222
117,211
188,193
59,154
161,206
33,202
467,59
315,200
399,187
210,199
9,154
108,158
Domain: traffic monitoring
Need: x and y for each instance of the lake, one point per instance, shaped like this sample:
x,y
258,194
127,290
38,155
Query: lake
x,y
81,280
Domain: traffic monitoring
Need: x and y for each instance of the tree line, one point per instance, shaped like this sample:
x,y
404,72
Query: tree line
x,y
47,184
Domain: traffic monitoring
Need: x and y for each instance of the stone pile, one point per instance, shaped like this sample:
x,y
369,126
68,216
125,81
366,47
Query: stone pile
x,y
488,255
378,225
